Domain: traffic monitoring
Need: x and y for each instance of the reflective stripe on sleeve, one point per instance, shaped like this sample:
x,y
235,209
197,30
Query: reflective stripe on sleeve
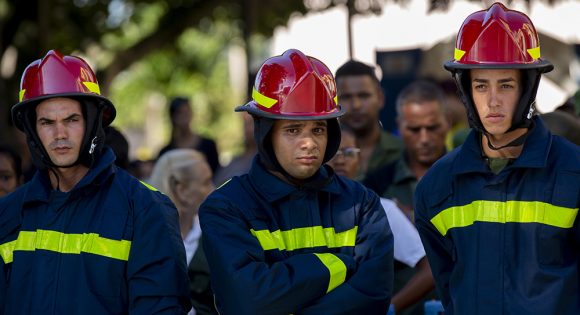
x,y
66,244
504,212
336,268
307,237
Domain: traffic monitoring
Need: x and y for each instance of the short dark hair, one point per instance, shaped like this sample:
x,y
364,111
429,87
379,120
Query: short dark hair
x,y
175,103
419,92
353,67
16,160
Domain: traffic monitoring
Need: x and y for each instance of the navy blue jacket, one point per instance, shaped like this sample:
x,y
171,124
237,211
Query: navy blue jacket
x,y
506,243
109,246
274,248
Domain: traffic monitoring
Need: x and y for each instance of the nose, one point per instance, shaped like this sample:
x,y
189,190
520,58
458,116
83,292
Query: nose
x,y
308,143
494,99
424,136
60,131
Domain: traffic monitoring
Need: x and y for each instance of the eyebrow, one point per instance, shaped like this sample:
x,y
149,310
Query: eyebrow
x,y
74,115
510,79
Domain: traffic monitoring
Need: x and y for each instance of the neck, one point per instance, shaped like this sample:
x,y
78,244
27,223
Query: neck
x,y
502,140
417,168
65,179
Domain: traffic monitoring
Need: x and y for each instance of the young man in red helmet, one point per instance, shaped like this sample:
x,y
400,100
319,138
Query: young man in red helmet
x,y
290,237
498,216
83,236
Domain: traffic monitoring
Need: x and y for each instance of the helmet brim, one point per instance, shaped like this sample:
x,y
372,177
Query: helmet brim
x,y
543,66
251,108
109,111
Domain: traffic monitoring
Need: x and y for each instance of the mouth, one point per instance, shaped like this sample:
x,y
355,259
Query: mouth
x,y
307,159
495,117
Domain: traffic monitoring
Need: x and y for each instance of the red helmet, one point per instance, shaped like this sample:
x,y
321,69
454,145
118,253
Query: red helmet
x,y
294,86
498,38
56,75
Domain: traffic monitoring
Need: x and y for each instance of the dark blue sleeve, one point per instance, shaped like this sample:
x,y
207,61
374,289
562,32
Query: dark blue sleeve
x,y
242,280
157,271
369,289
437,247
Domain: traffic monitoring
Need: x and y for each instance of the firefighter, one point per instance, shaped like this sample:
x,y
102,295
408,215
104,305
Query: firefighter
x,y
498,216
291,237
83,236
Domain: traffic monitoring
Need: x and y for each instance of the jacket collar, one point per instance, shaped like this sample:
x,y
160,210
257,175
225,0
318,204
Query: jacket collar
x,y
39,188
273,188
534,153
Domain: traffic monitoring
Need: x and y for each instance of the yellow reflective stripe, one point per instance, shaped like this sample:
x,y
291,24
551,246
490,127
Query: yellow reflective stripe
x,y
335,100
263,99
93,87
534,52
148,186
458,54
21,95
503,212
307,237
66,244
6,251
336,268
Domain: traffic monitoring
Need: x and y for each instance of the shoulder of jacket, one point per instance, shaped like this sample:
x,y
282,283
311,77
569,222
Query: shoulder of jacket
x,y
567,153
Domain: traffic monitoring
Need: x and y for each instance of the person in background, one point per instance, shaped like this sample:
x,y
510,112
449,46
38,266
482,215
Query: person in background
x,y
359,92
10,170
422,122
83,236
291,237
409,293
240,164
182,136
185,177
498,216
120,146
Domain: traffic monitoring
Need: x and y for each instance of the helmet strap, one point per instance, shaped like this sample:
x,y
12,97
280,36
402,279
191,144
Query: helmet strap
x,y
514,143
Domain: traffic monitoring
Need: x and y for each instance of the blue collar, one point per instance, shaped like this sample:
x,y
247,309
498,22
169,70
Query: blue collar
x,y
39,187
534,154
273,188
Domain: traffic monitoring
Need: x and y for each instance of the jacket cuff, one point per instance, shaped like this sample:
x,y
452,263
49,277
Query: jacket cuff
x,y
336,268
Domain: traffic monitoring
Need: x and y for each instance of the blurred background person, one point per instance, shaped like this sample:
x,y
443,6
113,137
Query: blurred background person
x,y
360,94
410,292
10,170
240,164
423,125
117,141
186,178
182,136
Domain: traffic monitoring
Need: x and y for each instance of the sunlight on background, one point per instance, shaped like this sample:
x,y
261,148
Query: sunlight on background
x,y
401,27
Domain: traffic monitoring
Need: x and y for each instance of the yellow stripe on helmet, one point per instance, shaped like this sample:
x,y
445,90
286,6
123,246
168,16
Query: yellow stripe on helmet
x,y
534,52
21,95
263,99
458,54
93,87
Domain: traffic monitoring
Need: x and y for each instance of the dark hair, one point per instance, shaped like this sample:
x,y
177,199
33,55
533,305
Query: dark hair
x,y
353,67
419,92
16,160
175,103
115,139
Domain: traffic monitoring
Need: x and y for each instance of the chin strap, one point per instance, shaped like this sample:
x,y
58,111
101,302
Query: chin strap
x,y
514,143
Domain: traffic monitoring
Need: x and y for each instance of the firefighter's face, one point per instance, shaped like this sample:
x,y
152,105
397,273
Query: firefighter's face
x,y
496,93
300,145
61,127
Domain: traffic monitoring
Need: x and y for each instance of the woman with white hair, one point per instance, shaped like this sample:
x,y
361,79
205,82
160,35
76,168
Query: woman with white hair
x,y
186,178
